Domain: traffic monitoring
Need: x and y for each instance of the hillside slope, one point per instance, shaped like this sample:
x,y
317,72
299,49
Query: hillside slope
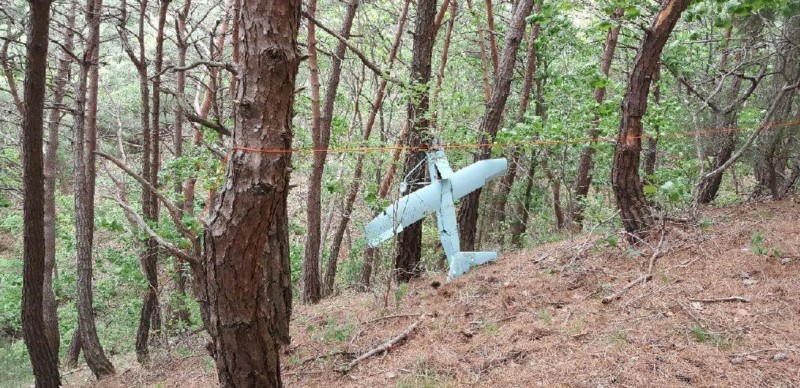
x,y
536,318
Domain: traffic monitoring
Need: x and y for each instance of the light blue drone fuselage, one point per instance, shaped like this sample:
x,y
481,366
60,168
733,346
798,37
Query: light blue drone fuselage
x,y
445,187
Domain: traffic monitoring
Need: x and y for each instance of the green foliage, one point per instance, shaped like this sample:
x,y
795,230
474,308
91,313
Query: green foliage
x,y
400,292
703,335
336,332
757,242
17,371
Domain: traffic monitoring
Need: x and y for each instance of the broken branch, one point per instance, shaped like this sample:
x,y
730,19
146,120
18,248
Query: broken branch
x,y
385,346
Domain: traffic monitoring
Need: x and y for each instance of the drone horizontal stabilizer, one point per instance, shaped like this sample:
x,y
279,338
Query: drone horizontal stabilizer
x,y
462,262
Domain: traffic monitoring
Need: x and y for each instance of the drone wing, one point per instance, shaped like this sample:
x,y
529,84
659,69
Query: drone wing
x,y
475,176
406,211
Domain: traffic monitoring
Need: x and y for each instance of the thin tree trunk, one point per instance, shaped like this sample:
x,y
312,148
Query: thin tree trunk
x,y
149,255
85,124
73,350
50,173
205,105
516,155
520,222
352,194
180,312
409,242
246,260
443,62
625,180
649,165
44,357
487,88
555,186
312,286
492,40
583,178
468,211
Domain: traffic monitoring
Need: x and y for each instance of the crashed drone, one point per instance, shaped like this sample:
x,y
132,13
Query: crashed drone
x,y
437,197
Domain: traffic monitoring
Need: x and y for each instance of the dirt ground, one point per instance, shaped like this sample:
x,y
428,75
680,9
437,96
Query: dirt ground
x,y
721,309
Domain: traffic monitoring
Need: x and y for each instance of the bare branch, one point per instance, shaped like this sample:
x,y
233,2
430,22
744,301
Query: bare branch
x,y
169,247
173,210
230,67
192,116
377,70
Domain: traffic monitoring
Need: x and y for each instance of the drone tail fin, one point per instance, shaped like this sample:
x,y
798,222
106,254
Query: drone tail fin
x,y
462,261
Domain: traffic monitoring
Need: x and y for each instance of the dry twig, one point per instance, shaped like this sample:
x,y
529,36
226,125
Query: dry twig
x,y
384,346
725,299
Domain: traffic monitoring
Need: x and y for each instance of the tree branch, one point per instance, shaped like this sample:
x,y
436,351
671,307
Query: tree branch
x,y
192,116
693,90
141,224
377,70
223,65
173,210
750,140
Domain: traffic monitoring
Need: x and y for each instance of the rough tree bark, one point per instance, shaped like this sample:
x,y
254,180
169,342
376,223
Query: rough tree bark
x,y
625,180
246,263
468,211
409,242
312,286
50,172
43,356
85,126
583,179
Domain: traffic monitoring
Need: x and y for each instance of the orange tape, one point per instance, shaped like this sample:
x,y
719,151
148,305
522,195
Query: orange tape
x,y
478,145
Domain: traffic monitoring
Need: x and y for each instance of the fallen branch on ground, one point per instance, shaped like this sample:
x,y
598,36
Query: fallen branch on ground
x,y
390,317
641,279
384,346
725,299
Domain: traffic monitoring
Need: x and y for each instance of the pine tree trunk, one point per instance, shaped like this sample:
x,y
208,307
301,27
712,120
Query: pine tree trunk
x,y
50,172
150,313
520,222
180,312
409,242
583,178
246,260
85,124
352,194
44,357
312,286
516,155
650,156
625,180
468,211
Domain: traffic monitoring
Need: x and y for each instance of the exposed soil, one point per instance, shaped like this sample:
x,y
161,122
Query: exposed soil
x,y
536,318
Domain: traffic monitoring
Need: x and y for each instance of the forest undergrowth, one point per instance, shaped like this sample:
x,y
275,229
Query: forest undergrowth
x,y
717,310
